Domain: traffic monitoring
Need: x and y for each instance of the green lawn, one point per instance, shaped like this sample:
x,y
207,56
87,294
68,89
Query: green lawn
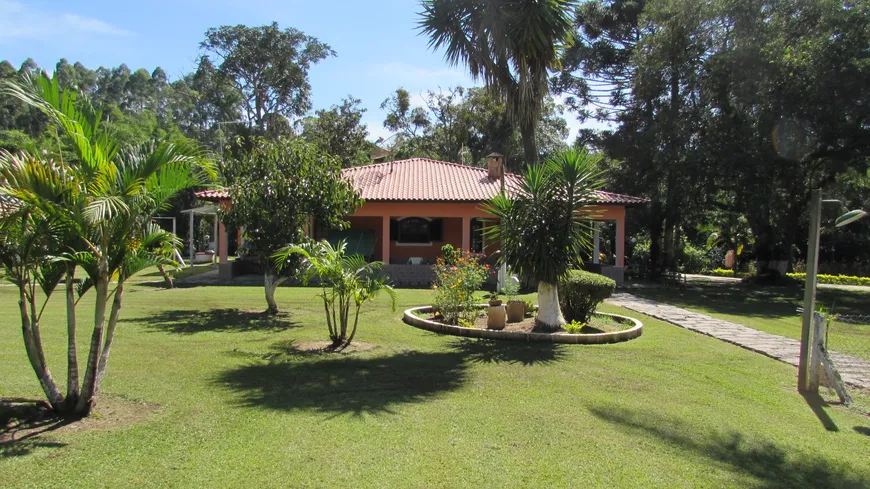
x,y
773,309
240,407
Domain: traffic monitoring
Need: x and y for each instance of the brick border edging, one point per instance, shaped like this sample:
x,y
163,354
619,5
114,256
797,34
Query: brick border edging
x,y
573,339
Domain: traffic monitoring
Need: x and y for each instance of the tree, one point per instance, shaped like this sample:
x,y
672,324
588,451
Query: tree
x,y
89,212
345,282
465,125
279,187
269,67
339,132
543,227
511,45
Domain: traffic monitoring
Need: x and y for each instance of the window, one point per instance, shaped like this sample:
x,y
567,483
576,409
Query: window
x,y
415,230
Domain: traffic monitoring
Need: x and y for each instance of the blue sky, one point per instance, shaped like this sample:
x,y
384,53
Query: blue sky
x,y
376,41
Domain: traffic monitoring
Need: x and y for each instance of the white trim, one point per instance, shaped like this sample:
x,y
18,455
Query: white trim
x,y
413,244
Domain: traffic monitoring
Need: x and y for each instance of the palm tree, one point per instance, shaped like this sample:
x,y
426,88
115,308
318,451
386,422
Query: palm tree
x,y
544,227
102,199
510,44
345,282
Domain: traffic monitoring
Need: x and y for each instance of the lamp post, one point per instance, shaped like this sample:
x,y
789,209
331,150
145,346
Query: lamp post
x,y
811,278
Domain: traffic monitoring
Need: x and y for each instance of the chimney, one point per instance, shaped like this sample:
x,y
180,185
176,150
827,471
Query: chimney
x,y
495,164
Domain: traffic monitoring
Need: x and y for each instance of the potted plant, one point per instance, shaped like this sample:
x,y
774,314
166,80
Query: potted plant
x,y
516,309
496,316
494,299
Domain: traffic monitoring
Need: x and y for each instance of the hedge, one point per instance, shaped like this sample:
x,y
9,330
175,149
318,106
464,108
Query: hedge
x,y
834,279
580,292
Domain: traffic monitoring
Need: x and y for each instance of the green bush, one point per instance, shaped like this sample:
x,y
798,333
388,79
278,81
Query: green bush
x,y
833,279
693,260
722,272
580,293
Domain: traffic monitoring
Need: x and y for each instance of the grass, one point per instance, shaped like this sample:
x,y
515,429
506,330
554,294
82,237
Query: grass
x,y
774,309
238,405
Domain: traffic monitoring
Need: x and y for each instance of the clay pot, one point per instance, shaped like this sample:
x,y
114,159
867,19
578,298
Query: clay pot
x,y
516,311
495,302
496,317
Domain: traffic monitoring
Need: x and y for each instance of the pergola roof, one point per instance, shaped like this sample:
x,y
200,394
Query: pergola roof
x,y
423,179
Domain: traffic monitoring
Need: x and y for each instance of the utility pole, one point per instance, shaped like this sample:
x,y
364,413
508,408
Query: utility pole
x,y
810,289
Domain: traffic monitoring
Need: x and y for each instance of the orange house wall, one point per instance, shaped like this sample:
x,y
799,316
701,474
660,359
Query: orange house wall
x,y
370,213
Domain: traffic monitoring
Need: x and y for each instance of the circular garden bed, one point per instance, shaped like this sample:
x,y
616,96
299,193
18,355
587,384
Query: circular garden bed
x,y
604,328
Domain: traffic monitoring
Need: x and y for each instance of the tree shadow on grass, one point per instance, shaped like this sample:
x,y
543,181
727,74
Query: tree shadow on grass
x,y
753,300
492,351
339,384
190,321
772,466
21,424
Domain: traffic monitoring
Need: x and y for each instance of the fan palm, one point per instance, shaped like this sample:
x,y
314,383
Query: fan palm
x,y
345,281
510,44
544,227
103,199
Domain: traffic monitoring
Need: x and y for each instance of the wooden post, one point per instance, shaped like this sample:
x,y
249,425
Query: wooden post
x,y
810,289
191,239
816,357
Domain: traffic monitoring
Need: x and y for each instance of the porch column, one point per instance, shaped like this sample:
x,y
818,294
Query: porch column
x,y
620,241
190,239
224,243
385,240
596,243
466,233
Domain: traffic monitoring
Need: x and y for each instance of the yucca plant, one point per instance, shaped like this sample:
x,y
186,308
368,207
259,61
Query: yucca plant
x,y
346,283
544,227
100,202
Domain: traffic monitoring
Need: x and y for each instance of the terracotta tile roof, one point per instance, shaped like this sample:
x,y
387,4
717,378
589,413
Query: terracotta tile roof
x,y
213,195
422,179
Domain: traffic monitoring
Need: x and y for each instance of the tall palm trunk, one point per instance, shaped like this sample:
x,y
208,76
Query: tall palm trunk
x,y
89,384
110,333
72,375
35,352
530,144
549,312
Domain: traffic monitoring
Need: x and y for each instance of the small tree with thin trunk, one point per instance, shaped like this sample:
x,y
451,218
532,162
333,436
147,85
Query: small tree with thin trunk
x,y
278,188
346,283
543,226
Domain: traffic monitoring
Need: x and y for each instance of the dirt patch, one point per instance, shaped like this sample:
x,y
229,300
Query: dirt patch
x,y
293,347
25,420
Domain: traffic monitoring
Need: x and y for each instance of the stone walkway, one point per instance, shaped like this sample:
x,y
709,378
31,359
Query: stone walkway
x,y
854,371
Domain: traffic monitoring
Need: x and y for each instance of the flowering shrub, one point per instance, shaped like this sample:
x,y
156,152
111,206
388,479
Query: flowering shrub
x,y
458,275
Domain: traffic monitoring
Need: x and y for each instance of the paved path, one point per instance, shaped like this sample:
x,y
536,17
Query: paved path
x,y
853,370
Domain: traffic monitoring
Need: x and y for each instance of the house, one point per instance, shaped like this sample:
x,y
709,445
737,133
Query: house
x,y
413,207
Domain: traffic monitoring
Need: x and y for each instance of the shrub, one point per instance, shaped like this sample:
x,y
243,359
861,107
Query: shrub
x,y
574,327
458,275
693,260
580,293
833,279
722,272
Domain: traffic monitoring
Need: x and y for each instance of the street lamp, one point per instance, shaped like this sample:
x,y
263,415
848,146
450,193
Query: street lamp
x,y
850,217
812,272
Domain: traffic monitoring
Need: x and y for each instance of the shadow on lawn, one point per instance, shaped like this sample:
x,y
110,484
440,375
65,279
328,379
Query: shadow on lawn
x,y
346,385
755,301
491,351
772,466
21,424
190,321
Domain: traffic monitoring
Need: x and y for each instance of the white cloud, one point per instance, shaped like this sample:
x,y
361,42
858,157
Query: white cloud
x,y
376,129
19,22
